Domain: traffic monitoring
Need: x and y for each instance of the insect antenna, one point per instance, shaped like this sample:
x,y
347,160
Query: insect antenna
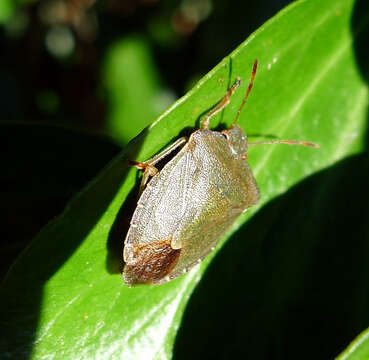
x,y
247,91
287,142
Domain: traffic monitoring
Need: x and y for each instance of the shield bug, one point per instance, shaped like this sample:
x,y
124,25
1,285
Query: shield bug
x,y
186,207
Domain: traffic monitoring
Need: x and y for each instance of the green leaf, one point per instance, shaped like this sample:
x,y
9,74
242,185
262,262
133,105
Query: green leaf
x,y
64,297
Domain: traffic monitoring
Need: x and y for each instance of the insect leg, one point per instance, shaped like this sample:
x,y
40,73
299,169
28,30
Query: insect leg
x,y
221,105
149,171
179,142
148,166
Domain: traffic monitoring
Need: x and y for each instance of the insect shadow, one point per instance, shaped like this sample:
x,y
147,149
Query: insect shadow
x,y
114,259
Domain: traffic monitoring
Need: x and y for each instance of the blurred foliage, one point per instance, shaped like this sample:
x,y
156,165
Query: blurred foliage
x,y
133,88
6,10
97,62
79,79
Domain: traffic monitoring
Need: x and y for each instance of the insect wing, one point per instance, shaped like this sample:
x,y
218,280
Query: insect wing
x,y
190,204
158,215
219,189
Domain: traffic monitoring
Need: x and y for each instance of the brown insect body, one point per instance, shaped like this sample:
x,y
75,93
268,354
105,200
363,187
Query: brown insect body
x,y
186,207
189,205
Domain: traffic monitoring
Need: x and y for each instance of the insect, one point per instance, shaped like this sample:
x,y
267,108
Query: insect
x,y
186,207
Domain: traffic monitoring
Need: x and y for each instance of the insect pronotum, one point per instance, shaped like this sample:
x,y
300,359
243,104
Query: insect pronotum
x,y
185,208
